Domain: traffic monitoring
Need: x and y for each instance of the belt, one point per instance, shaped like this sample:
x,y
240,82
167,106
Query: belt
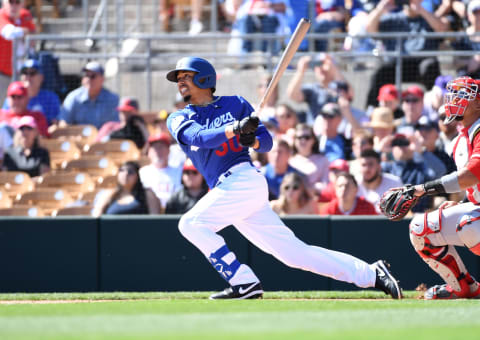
x,y
230,171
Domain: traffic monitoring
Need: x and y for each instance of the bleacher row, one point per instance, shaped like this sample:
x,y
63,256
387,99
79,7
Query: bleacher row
x,y
80,169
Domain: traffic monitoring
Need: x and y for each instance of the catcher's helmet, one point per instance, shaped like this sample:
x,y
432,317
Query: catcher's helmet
x,y
461,91
206,77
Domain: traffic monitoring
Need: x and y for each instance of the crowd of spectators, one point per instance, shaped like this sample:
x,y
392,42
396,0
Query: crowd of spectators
x,y
329,161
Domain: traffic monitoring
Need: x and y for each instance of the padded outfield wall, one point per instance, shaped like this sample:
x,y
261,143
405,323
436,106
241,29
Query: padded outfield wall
x,y
146,253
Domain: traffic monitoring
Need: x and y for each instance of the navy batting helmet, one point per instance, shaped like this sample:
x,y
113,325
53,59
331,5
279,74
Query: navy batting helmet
x,y
206,77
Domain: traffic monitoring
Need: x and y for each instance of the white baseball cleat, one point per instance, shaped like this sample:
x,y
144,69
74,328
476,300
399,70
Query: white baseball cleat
x,y
252,290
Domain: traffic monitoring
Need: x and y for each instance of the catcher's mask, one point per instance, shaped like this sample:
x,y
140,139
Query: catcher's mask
x,y
461,91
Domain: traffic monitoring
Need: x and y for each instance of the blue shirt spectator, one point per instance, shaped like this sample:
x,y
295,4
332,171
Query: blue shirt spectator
x,y
274,180
91,103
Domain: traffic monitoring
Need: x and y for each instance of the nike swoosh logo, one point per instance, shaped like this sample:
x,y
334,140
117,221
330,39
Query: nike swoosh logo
x,y
243,291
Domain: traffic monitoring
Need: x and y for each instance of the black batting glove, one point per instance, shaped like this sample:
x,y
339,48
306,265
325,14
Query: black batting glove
x,y
247,139
246,125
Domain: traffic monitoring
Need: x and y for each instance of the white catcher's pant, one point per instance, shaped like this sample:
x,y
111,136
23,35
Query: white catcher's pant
x,y
242,200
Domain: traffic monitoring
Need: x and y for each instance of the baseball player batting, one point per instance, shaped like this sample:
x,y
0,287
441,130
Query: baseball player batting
x,y
434,235
216,134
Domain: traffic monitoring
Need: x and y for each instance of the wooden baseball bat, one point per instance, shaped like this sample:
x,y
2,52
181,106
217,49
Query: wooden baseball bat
x,y
290,50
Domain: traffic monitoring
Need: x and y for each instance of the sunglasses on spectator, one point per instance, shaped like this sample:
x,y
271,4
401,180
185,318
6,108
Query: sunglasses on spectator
x,y
30,73
14,2
15,97
25,128
411,100
305,137
293,187
90,75
190,172
285,116
128,170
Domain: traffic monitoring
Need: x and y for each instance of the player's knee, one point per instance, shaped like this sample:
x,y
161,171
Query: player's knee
x,y
468,230
417,232
185,225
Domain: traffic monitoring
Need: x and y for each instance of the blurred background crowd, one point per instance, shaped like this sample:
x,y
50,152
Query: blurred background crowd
x,y
359,110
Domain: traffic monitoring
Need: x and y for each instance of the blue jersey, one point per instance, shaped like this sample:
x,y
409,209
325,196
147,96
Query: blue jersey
x,y
200,132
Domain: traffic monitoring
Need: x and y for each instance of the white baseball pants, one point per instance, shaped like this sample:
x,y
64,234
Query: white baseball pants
x,y
241,199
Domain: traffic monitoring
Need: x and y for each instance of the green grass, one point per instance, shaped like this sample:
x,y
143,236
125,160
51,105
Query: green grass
x,y
281,315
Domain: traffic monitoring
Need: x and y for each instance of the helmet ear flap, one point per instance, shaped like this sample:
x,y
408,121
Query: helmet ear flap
x,y
205,81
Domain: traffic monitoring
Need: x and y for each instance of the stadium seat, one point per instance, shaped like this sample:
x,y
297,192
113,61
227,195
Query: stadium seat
x,y
61,151
5,201
89,197
108,182
74,182
22,210
85,210
14,183
82,134
50,199
119,150
96,166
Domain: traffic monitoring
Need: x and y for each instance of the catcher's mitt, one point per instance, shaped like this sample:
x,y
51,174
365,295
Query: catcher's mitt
x,y
397,202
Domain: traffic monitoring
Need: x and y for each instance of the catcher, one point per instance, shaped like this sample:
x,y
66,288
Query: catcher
x,y
435,234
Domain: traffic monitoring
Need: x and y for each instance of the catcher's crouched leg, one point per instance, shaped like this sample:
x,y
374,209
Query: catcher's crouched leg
x,y
441,257
468,230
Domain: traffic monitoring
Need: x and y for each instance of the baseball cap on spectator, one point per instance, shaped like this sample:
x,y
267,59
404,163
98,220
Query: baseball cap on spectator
x,y
387,92
93,66
188,165
425,123
26,121
31,63
473,6
413,91
17,89
159,137
128,104
400,140
330,110
442,81
339,164
381,117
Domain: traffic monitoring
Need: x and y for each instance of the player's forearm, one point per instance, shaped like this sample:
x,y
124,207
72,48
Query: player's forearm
x,y
450,183
264,140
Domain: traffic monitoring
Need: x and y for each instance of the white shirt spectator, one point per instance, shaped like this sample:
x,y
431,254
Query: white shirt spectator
x,y
162,181
373,196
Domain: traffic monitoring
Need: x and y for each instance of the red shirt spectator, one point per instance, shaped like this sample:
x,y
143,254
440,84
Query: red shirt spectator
x,y
12,18
327,194
346,201
362,207
18,101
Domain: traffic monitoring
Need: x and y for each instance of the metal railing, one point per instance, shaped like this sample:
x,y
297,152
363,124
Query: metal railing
x,y
150,56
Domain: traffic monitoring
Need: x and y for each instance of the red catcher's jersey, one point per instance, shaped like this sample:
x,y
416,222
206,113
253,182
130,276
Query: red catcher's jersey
x,y
466,153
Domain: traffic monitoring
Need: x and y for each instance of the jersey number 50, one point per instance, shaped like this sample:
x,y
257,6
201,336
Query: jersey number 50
x,y
222,151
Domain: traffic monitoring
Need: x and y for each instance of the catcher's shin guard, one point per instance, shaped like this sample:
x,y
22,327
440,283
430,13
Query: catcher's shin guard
x,y
444,260
468,230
